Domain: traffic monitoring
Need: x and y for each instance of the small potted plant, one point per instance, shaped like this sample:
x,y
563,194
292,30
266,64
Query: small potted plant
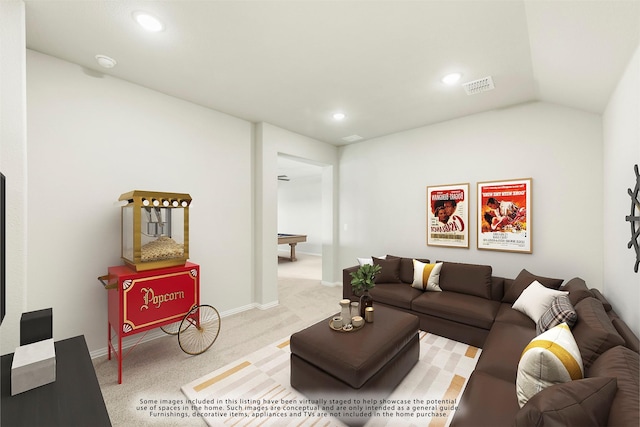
x,y
363,280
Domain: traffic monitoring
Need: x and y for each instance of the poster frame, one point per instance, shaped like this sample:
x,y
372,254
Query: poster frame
x,y
508,235
458,220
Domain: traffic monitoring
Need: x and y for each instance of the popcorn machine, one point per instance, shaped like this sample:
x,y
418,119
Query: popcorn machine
x,y
157,287
155,229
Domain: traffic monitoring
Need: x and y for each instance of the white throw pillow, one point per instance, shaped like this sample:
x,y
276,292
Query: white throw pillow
x,y
369,260
535,300
426,277
550,358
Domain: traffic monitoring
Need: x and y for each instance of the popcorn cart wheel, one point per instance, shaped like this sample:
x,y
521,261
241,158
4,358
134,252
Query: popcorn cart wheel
x,y
198,329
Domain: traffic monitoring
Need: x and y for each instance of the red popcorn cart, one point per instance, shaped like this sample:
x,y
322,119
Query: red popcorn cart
x,y
157,287
167,298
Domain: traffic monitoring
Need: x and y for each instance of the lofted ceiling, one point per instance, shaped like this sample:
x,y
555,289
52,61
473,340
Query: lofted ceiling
x,y
294,63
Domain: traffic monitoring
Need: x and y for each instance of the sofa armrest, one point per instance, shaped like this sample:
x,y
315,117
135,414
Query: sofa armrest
x,y
347,291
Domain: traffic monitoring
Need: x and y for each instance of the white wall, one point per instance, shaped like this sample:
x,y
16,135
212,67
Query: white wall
x,y
621,124
383,188
300,212
93,138
13,164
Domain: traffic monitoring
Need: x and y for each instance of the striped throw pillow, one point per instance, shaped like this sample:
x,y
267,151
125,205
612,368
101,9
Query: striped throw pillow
x,y
560,311
426,277
550,358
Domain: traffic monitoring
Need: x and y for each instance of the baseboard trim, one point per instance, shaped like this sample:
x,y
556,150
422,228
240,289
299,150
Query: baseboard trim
x,y
268,305
153,334
131,341
331,284
238,309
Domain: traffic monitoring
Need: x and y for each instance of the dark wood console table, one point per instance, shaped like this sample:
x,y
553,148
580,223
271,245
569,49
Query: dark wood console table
x,y
74,399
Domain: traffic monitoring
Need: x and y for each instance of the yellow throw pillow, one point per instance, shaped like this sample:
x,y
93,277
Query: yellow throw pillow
x,y
550,358
426,276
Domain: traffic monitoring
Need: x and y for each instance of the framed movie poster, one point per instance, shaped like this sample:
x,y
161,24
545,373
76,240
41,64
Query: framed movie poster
x,y
448,215
504,215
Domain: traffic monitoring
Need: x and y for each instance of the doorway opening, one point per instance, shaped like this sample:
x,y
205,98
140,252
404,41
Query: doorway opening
x,y
300,218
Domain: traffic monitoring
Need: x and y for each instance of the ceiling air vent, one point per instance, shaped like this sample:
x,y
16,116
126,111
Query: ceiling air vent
x,y
352,138
478,86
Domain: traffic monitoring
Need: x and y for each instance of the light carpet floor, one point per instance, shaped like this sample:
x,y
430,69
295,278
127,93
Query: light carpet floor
x,y
254,391
155,370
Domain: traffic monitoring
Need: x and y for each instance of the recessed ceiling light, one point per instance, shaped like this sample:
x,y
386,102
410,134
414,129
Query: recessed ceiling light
x,y
148,22
339,116
105,61
451,79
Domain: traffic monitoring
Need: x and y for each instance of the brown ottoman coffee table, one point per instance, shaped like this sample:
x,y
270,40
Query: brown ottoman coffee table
x,y
369,362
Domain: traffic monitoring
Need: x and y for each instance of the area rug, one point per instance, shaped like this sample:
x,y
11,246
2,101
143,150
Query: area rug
x,y
255,391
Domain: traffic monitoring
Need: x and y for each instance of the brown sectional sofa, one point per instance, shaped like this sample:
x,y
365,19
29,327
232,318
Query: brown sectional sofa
x,y
475,307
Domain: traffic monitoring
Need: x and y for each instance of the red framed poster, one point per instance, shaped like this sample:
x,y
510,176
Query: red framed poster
x,y
448,215
504,215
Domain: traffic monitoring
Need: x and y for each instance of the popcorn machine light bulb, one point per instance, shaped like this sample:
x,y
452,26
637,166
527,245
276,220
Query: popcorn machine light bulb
x,y
175,203
145,202
165,203
155,202
184,204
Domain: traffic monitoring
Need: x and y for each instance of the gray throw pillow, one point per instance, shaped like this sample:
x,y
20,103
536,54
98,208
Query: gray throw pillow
x,y
560,311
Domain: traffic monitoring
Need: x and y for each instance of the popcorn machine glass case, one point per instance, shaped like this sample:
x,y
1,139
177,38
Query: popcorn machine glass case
x,y
155,229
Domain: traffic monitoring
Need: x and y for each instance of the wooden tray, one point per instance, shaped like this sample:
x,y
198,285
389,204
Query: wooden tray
x,y
353,329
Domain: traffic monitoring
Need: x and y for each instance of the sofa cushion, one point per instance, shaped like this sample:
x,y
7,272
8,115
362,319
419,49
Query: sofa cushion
x,y
394,294
593,331
470,279
550,358
426,276
513,290
502,349
461,308
560,311
487,401
535,300
581,403
406,267
577,289
623,364
508,315
630,339
598,295
497,287
390,272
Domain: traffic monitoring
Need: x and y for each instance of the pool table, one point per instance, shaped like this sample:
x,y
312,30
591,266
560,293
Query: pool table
x,y
292,240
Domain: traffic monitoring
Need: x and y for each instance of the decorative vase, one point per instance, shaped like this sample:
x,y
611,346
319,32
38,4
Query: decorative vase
x,y
365,301
345,311
355,309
